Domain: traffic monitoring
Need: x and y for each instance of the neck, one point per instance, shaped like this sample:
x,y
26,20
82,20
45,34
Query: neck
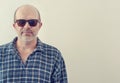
x,y
26,44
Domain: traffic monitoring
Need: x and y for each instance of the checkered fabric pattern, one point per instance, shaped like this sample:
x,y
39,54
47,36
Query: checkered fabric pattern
x,y
44,65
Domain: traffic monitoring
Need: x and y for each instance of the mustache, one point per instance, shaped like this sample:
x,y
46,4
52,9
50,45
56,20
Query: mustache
x,y
26,31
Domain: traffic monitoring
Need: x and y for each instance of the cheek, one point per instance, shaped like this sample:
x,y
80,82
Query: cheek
x,y
18,30
36,31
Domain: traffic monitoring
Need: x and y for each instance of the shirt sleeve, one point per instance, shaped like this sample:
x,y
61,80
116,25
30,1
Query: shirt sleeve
x,y
59,73
1,65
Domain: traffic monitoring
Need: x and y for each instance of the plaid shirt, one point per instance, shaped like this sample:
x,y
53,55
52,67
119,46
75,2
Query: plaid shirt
x,y
44,65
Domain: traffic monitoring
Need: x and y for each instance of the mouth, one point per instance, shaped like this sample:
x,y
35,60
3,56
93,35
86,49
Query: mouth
x,y
26,33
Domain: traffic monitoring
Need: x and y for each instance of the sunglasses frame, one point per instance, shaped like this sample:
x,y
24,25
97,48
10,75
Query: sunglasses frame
x,y
31,22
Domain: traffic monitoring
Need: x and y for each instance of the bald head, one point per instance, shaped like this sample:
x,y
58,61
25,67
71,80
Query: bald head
x,y
26,12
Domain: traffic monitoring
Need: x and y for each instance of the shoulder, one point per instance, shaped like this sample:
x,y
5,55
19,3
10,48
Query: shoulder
x,y
44,47
50,48
51,51
5,47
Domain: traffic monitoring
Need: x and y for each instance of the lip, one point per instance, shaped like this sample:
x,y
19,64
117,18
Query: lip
x,y
27,32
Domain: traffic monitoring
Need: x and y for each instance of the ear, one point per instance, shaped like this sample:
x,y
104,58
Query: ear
x,y
40,25
14,25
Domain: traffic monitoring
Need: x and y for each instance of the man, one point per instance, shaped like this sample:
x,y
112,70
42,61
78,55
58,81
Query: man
x,y
26,59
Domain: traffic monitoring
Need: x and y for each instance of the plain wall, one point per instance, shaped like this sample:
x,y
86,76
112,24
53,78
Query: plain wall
x,y
87,32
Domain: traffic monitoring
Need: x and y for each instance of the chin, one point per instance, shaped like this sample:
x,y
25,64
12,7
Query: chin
x,y
28,39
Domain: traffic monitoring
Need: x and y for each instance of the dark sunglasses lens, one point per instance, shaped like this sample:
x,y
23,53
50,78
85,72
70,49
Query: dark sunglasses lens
x,y
33,22
21,22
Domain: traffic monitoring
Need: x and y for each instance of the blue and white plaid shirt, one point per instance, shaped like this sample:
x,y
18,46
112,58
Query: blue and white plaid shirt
x,y
44,65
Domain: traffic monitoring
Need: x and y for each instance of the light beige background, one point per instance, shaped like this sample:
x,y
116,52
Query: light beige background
x,y
87,32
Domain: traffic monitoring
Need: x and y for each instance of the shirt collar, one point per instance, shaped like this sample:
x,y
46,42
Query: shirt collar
x,y
39,45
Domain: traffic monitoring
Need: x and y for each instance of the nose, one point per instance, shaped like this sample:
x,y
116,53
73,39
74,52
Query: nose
x,y
27,25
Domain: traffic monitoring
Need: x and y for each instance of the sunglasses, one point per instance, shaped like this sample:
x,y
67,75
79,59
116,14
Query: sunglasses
x,y
31,22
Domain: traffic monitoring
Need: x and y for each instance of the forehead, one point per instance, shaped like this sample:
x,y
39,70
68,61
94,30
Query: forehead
x,y
27,13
